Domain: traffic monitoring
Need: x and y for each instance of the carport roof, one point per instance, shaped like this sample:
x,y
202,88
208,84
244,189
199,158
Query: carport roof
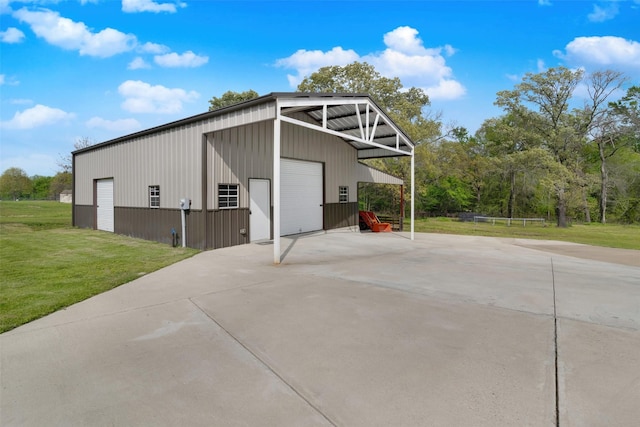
x,y
355,118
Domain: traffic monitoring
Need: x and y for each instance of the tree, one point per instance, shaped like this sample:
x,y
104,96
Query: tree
x,y
40,187
627,110
14,183
230,98
65,162
602,126
561,132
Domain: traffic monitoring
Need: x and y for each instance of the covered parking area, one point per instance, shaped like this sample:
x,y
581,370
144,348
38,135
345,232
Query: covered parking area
x,y
354,118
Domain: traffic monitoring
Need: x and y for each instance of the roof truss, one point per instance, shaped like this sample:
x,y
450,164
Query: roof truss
x,y
358,121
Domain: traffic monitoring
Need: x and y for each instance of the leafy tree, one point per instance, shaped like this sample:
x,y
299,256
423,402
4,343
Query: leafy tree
x,y
15,184
230,98
602,125
541,102
40,189
504,141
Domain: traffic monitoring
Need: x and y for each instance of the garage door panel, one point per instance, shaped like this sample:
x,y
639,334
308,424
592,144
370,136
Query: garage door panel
x,y
300,196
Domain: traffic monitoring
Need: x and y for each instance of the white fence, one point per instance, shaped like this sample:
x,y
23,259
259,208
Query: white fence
x,y
508,221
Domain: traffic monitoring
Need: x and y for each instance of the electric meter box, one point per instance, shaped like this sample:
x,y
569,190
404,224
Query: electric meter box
x,y
185,204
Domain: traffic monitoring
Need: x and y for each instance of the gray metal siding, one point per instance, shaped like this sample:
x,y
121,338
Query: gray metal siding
x,y
156,225
240,153
339,215
170,159
369,174
226,225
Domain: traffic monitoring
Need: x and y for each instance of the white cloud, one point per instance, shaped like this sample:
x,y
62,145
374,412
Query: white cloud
x,y
141,97
541,66
601,14
122,125
39,115
607,51
405,57
133,6
12,35
187,60
309,61
544,2
70,35
446,89
153,48
137,64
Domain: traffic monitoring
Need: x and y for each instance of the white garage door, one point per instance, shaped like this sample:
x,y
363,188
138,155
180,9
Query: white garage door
x,y
300,196
104,206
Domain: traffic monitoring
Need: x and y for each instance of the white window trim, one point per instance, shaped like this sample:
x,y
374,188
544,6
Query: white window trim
x,y
237,196
153,197
340,194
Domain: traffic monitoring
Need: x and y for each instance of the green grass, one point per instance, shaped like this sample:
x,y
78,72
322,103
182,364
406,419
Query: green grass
x,y
47,265
607,235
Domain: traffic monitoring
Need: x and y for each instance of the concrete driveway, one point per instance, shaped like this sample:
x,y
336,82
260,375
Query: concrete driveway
x,y
351,330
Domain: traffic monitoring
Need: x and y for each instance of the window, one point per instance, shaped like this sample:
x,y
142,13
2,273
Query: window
x,y
343,194
228,196
154,196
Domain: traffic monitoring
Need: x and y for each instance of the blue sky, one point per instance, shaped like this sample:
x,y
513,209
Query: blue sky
x,y
105,68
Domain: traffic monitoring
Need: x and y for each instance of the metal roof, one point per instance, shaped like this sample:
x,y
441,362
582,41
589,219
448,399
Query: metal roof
x,y
353,117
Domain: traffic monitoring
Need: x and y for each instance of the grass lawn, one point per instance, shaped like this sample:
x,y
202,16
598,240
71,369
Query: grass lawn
x,y
608,235
47,265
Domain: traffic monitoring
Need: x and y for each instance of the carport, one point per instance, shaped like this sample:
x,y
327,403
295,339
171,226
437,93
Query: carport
x,y
354,118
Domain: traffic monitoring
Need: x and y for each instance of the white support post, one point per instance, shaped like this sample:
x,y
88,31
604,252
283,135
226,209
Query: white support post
x,y
276,186
413,191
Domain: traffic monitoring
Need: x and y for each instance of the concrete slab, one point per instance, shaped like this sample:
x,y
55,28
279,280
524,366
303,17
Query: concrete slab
x,y
599,375
351,329
163,365
371,356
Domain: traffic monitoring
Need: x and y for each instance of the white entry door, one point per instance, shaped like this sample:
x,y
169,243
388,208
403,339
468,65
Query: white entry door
x,y
259,210
301,185
104,204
